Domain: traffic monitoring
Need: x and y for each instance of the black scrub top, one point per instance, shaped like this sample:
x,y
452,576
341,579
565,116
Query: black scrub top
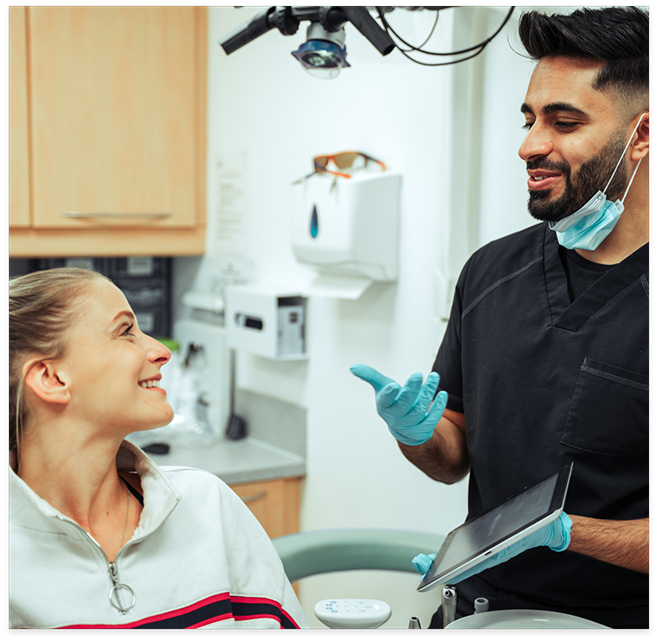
x,y
543,382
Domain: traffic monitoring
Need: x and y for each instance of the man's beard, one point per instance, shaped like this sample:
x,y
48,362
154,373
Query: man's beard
x,y
592,176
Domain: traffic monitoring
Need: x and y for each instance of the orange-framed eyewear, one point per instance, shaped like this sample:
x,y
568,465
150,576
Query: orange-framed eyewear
x,y
343,161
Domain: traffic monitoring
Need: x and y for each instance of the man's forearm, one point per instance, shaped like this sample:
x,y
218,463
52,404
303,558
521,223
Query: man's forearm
x,y
444,457
622,543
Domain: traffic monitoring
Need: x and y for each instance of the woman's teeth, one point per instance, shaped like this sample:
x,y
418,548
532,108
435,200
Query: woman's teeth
x,y
146,384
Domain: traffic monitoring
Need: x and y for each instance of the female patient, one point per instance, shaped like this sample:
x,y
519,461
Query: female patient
x,y
100,536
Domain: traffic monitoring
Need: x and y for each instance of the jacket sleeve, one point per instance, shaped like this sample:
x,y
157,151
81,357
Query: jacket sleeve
x,y
259,585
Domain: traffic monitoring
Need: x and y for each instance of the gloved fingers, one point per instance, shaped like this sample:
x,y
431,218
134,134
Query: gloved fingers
x,y
437,409
372,376
467,574
422,562
411,406
414,435
408,396
555,535
416,427
561,533
504,555
386,398
428,391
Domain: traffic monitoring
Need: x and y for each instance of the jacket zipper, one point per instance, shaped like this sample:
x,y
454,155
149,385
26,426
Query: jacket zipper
x,y
114,576
117,587
112,566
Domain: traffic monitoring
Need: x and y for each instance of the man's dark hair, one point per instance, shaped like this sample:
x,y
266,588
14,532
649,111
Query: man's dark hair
x,y
617,36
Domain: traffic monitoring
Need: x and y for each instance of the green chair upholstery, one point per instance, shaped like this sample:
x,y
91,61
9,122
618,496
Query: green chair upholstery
x,y
334,550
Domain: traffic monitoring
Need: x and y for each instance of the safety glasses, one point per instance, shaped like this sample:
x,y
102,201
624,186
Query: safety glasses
x,y
345,161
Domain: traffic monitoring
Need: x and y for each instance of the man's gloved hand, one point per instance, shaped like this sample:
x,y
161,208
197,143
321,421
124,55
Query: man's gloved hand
x,y
556,535
406,409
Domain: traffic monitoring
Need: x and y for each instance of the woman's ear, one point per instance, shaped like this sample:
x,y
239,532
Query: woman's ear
x,y
43,379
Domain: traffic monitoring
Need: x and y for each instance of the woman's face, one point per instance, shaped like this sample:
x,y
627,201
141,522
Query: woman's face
x,y
113,368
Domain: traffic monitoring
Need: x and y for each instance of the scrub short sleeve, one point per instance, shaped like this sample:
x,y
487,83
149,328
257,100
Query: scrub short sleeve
x,y
449,357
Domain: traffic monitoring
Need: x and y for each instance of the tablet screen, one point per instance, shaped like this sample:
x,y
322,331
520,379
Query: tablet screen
x,y
504,525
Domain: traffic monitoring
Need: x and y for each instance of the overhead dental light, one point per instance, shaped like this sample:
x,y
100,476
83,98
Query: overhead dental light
x,y
324,53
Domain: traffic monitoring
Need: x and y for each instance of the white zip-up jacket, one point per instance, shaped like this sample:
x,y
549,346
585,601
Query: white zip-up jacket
x,y
198,558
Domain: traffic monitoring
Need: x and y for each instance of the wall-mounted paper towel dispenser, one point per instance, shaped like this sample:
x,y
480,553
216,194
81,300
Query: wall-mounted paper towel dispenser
x,y
348,227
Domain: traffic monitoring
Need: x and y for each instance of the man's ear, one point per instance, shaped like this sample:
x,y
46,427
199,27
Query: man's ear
x,y
640,143
43,378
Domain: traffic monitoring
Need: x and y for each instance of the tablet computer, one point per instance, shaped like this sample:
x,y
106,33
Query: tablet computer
x,y
491,532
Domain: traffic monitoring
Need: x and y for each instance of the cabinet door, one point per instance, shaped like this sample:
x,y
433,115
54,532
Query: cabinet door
x,y
274,503
114,116
19,167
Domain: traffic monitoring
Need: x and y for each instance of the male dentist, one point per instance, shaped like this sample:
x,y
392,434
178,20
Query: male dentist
x,y
545,360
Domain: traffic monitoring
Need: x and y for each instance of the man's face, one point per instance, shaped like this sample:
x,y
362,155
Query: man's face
x,y
575,138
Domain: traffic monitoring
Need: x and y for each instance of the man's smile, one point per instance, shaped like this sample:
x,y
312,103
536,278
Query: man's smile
x,y
540,179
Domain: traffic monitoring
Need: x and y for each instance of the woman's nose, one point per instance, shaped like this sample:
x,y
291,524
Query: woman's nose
x,y
158,353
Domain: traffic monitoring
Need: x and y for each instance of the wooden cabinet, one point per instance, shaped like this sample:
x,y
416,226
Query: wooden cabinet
x,y
107,119
19,182
274,503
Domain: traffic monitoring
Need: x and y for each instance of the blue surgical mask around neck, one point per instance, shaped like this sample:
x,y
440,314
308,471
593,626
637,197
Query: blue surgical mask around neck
x,y
588,227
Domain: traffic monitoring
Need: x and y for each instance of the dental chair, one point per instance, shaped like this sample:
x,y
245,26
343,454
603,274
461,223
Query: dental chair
x,y
334,550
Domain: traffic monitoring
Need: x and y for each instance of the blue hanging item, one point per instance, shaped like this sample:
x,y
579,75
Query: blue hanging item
x,y
314,222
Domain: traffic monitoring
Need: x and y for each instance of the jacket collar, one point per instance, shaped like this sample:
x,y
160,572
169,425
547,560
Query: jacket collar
x,y
28,509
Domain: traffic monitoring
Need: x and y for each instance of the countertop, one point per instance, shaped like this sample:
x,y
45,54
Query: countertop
x,y
245,461
275,445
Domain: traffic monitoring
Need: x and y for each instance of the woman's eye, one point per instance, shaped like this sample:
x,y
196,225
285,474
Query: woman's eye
x,y
127,332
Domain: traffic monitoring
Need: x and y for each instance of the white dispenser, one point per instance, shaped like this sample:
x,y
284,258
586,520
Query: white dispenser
x,y
266,322
348,227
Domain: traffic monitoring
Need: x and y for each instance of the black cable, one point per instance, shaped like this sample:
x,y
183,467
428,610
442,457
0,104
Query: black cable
x,y
436,21
484,43
478,48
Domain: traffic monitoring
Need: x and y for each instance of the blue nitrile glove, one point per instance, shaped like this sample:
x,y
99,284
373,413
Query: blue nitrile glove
x,y
405,409
556,535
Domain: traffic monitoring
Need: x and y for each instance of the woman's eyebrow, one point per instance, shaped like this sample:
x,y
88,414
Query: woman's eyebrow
x,y
124,313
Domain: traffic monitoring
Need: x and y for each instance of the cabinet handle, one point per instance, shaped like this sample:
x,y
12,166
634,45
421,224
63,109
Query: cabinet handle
x,y
253,497
109,215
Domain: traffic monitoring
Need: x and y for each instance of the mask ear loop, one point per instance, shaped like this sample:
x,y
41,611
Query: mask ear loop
x,y
622,158
631,181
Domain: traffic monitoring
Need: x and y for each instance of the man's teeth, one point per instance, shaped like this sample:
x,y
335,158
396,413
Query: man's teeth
x,y
146,384
538,178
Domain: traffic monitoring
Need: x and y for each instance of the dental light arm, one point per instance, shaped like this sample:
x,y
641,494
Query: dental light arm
x,y
248,31
287,19
324,53
366,24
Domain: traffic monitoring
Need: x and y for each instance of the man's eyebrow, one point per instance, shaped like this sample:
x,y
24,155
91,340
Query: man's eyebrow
x,y
553,107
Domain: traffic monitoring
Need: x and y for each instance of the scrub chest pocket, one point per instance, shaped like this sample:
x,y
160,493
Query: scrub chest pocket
x,y
609,410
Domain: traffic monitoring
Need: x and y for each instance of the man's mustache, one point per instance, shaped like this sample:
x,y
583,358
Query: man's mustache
x,y
542,163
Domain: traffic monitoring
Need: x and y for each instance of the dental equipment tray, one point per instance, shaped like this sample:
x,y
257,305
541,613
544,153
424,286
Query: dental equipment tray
x,y
498,528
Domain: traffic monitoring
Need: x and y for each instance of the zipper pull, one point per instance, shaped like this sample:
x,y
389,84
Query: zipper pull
x,y
115,592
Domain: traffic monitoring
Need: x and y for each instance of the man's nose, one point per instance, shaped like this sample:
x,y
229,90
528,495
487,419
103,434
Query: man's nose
x,y
536,144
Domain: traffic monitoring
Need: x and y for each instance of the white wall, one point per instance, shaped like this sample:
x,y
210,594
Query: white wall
x,y
428,124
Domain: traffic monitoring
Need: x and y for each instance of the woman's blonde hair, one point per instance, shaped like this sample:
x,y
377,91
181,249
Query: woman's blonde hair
x,y
42,306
